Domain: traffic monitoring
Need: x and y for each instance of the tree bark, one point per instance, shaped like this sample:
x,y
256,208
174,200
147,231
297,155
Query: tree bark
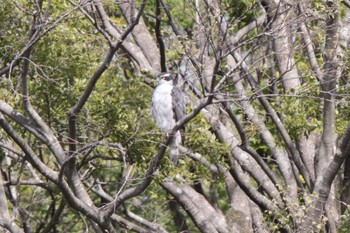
x,y
279,14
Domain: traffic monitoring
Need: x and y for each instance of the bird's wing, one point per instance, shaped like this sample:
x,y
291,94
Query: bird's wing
x,y
179,107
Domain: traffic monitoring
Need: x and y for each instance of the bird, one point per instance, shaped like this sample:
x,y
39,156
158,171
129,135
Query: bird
x,y
168,107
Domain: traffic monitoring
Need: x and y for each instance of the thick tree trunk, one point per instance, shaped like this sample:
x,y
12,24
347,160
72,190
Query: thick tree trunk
x,y
327,161
202,213
279,13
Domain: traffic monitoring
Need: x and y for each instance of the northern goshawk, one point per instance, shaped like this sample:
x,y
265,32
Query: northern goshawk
x,y
168,106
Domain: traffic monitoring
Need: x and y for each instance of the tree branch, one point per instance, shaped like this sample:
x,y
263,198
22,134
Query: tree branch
x,y
33,40
5,219
198,216
55,218
155,162
309,46
160,41
278,123
29,153
70,167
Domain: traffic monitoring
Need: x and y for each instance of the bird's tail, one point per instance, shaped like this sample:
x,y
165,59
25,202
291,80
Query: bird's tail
x,y
174,149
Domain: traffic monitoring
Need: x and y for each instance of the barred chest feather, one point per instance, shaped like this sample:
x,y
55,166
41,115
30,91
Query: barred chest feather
x,y
162,109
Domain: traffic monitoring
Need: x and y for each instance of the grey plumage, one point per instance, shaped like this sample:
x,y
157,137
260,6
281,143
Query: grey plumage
x,y
168,106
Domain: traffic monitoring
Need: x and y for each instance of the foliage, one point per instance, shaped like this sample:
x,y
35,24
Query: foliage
x,y
79,150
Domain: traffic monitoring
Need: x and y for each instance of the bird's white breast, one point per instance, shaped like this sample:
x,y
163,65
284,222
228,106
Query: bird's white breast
x,y
162,110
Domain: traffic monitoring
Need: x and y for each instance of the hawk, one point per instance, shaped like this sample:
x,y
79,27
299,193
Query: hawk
x,y
168,106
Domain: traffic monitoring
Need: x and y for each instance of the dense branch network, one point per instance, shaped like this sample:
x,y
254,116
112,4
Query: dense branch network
x,y
265,98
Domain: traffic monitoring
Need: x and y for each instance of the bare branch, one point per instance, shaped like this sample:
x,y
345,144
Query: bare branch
x,y
152,226
55,218
129,225
277,121
35,37
70,169
309,46
159,37
5,219
280,25
259,199
346,3
155,162
202,222
29,153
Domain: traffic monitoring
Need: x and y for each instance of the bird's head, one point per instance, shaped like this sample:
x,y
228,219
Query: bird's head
x,y
165,77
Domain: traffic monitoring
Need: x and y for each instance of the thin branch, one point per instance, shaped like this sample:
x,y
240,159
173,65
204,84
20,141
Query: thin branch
x,y
129,225
107,24
12,150
29,153
52,175
103,67
93,21
309,46
179,34
29,125
69,168
155,162
159,37
277,121
150,225
264,203
39,183
5,219
187,202
346,3
55,218
324,183
33,40
199,158
170,19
